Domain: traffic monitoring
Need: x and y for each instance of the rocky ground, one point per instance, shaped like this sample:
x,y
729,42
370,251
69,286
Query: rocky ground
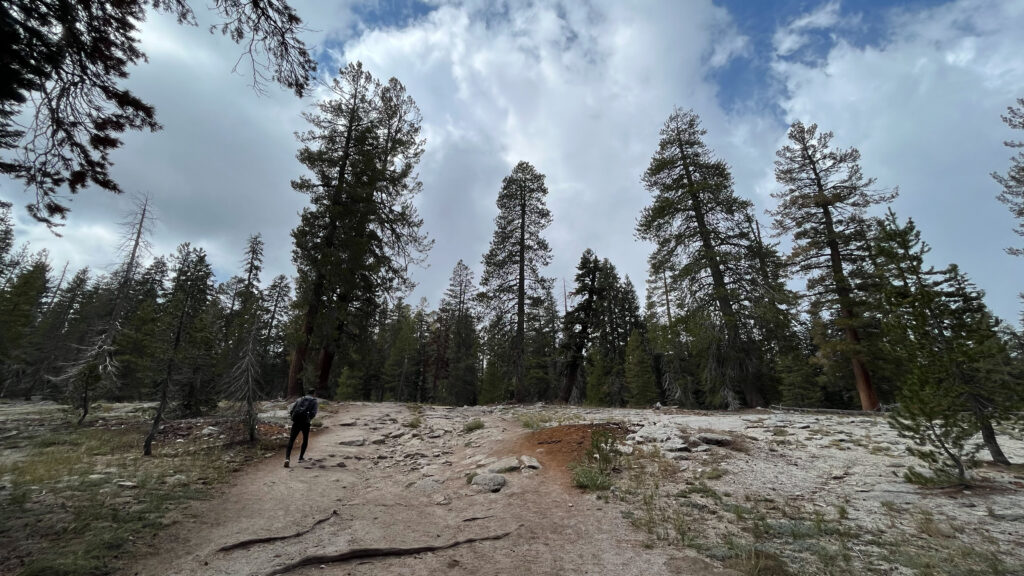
x,y
398,489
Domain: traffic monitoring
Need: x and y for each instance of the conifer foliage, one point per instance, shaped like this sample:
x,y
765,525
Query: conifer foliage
x,y
361,233
512,266
823,205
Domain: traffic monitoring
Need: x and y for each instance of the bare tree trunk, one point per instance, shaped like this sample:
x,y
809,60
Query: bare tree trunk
x,y
988,434
85,405
147,447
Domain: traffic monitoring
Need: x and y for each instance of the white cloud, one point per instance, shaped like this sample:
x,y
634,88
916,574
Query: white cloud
x,y
793,36
580,90
923,108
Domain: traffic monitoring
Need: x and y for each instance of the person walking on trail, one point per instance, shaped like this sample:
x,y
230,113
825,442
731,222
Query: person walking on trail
x,y
302,413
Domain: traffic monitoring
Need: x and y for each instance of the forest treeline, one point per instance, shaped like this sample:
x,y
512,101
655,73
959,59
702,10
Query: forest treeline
x,y
875,324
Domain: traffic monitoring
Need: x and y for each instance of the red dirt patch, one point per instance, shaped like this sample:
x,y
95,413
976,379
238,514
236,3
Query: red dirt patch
x,y
559,446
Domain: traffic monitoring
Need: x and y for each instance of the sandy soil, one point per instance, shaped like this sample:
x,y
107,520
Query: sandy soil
x,y
407,487
400,490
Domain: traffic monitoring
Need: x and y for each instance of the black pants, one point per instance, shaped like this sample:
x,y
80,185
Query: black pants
x,y
298,425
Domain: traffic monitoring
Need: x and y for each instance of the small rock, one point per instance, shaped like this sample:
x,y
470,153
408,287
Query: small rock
x,y
427,485
702,448
353,442
209,431
347,423
127,484
675,445
436,434
175,480
714,439
490,482
379,440
530,462
509,464
802,426
341,465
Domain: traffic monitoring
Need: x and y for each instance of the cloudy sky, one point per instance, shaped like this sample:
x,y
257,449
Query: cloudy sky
x,y
580,89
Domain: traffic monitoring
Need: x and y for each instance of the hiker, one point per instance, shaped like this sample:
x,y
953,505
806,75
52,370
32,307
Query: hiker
x,y
302,413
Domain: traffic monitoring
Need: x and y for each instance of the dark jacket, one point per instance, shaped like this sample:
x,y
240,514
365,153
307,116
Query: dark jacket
x,y
305,408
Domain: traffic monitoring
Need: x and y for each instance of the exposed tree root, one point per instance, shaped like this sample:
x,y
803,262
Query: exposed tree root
x,y
253,541
376,553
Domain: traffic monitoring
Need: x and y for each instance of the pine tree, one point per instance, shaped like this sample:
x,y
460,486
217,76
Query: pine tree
x,y
355,242
955,370
244,384
457,312
62,105
643,390
577,326
6,241
187,302
276,307
1013,182
514,260
700,230
823,205
541,353
22,304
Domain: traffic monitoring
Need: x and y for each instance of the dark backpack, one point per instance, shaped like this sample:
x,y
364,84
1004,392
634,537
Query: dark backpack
x,y
305,408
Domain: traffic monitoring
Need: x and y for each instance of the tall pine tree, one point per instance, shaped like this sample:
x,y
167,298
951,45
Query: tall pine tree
x,y
513,263
823,204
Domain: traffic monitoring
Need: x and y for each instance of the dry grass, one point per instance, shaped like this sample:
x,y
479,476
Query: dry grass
x,y
79,499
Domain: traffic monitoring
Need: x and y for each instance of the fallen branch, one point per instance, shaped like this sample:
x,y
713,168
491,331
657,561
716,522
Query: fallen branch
x,y
253,541
475,518
776,407
376,553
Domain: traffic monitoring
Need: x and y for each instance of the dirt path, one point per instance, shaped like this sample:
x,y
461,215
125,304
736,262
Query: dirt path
x,y
407,487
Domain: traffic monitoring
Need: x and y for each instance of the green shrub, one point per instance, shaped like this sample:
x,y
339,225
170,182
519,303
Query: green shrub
x,y
590,478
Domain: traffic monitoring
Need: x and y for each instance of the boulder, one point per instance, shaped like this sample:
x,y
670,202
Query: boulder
x,y
714,439
509,464
656,433
490,482
675,445
530,462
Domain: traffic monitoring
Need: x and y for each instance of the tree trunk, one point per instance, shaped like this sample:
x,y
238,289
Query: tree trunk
x,y
85,405
147,447
299,357
324,372
294,389
520,343
668,302
862,378
166,382
721,294
988,434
